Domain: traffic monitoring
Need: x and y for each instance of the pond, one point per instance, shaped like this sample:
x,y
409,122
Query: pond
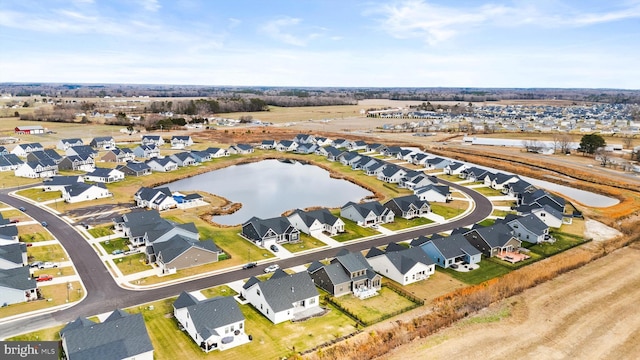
x,y
268,188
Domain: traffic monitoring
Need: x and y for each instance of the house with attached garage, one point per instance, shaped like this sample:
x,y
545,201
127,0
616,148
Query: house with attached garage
x,y
119,155
391,151
180,252
436,163
548,214
57,183
356,145
13,255
541,198
445,251
419,158
283,297
518,188
323,141
145,227
83,151
306,148
104,175
316,221
349,158
333,153
4,151
217,152
304,139
400,264
242,149
286,145
267,232
103,143
120,336
364,162
64,144
340,143
77,163
433,193
8,232
415,179
17,286
158,199
37,169
156,140
22,150
268,144
455,168
135,168
200,156
367,214
46,155
147,151
499,180
181,141
84,192
347,273
183,159
9,162
473,174
392,174
162,164
213,324
528,228
408,207
375,169
493,240
405,155
375,147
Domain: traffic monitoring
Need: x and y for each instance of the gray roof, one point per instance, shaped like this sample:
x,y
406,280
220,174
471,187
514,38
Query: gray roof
x,y
120,336
100,172
207,315
365,208
496,235
62,180
404,202
17,278
8,232
405,260
529,222
351,261
454,246
80,187
322,215
178,244
282,289
279,225
13,252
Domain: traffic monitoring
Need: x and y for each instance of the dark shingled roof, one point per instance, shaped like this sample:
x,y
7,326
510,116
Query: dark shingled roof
x,y
17,278
282,289
209,314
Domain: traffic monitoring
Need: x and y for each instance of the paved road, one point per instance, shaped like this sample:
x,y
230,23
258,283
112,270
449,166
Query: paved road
x,y
103,294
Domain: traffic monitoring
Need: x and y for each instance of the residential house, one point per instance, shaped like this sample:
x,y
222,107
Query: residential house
x,y
473,174
306,148
9,162
156,140
165,164
268,144
4,151
415,179
518,188
77,163
13,255
183,159
391,151
542,197
22,150
213,324
304,139
37,169
103,143
493,240
408,206
392,174
283,296
449,250
119,336
349,158
181,141
340,143
147,151
375,169
528,228
419,158
44,155
17,286
405,155
158,199
188,200
200,156
135,168
402,265
104,175
499,180
8,233
433,193
286,145
267,232
323,141
356,145
549,215
367,214
83,151
379,148
57,183
64,144
455,168
332,153
240,149
311,222
84,192
180,252
348,272
217,152
436,163
146,227
119,155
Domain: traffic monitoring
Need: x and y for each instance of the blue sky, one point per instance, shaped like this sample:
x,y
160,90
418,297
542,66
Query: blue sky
x,y
351,43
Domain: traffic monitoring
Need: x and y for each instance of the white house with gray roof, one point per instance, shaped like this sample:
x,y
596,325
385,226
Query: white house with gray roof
x,y
267,232
147,151
316,221
17,286
214,324
347,273
81,191
400,264
104,175
159,199
433,193
528,228
445,251
23,150
119,336
367,214
64,144
13,255
162,164
283,297
408,206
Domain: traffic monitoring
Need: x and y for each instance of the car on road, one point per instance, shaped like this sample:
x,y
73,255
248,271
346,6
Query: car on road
x,y
47,265
44,223
22,209
117,252
44,277
274,248
249,265
14,221
271,268
35,264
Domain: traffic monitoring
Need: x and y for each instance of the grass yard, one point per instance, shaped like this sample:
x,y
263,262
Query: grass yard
x,y
53,253
563,242
15,214
132,264
100,231
487,222
450,209
369,310
487,191
452,178
55,272
488,270
9,180
57,294
115,244
33,233
307,242
504,203
222,290
502,213
353,231
39,195
436,285
402,223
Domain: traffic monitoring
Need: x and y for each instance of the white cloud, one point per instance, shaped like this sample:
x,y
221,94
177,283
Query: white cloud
x,y
233,22
150,5
283,30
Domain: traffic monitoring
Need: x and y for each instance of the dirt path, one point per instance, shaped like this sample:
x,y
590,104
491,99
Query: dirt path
x,y
590,313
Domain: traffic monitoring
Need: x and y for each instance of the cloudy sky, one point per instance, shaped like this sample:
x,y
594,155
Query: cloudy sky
x,y
404,43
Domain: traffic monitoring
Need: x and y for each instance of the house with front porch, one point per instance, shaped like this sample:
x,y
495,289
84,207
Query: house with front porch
x,y
349,158
433,193
400,264
77,163
316,221
286,145
147,151
455,168
37,169
419,158
392,174
181,141
267,232
213,324
367,214
103,143
473,174
156,140
436,163
104,175
415,179
165,164
283,297
445,251
408,207
217,152
499,180
347,273
493,240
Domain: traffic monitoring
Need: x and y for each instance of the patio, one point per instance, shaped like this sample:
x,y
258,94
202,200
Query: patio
x,y
512,257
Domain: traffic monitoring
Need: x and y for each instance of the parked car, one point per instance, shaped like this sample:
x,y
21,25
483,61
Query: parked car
x,y
14,221
35,264
249,265
47,265
44,277
274,248
271,268
117,252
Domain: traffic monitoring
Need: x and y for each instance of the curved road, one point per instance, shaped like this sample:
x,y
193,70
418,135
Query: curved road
x,y
104,294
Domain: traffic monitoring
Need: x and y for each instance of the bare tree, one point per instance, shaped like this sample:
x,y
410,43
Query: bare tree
x,y
627,141
564,143
604,156
532,145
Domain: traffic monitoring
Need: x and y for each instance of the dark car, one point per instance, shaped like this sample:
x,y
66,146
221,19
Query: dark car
x,y
274,248
22,209
249,265
44,223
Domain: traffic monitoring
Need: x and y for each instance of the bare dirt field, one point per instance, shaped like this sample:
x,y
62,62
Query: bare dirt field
x,y
589,313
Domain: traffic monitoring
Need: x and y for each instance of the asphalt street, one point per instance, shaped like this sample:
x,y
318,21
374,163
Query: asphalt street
x,y
104,294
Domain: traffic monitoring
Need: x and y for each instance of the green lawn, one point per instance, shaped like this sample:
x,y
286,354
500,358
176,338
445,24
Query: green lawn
x,y
563,241
452,178
487,222
53,253
37,194
502,213
307,242
354,231
132,264
222,290
488,270
487,191
100,231
33,233
115,244
402,223
369,310
57,294
449,210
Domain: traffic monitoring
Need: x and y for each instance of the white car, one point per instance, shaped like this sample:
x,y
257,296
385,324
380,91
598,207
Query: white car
x,y
271,268
47,265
